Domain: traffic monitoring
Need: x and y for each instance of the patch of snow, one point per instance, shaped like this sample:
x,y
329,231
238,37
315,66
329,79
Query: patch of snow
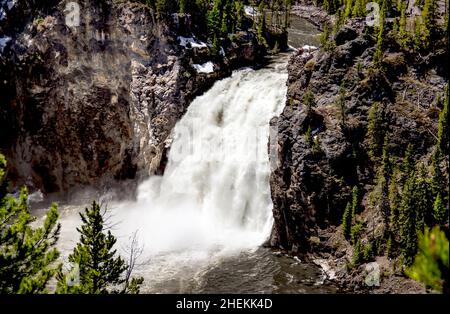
x,y
207,67
3,42
175,17
222,52
307,51
249,10
309,48
194,44
10,4
2,14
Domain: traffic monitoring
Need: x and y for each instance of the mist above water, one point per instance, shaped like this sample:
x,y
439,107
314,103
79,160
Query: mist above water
x,y
213,200
215,192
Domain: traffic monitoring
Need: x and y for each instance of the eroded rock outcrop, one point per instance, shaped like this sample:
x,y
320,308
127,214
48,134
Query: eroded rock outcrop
x,y
93,103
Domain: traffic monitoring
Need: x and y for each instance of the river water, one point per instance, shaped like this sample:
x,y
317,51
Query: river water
x,y
201,225
301,33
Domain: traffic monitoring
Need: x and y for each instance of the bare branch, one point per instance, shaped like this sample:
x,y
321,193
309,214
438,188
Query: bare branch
x,y
134,250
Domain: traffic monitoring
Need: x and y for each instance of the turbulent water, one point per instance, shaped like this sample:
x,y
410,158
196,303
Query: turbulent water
x,y
201,225
214,194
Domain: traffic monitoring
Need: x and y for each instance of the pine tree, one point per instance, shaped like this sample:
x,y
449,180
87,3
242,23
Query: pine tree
x,y
238,13
408,165
330,5
309,101
407,222
367,252
403,35
214,19
27,254
287,10
439,175
164,7
378,55
316,149
426,24
423,198
440,211
215,46
262,27
100,269
431,265
348,9
415,208
374,131
347,221
443,130
359,10
383,181
394,201
324,37
225,23
182,6
389,246
308,136
355,232
340,20
355,197
326,5
357,253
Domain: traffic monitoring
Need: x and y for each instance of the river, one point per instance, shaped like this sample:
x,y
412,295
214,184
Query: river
x,y
202,224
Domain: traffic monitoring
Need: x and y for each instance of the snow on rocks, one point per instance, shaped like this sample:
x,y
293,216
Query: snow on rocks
x,y
308,48
6,5
3,42
184,41
306,51
250,11
207,67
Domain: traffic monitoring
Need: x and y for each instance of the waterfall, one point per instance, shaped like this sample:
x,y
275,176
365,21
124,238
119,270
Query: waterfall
x,y
215,191
213,201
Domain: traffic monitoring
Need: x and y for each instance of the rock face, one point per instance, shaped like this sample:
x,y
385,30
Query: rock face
x,y
94,102
313,183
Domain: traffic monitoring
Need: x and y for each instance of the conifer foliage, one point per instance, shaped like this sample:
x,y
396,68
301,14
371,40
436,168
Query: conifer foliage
x,y
431,265
27,255
101,270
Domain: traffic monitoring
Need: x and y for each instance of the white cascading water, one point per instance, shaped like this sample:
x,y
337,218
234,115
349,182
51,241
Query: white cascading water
x,y
215,190
214,197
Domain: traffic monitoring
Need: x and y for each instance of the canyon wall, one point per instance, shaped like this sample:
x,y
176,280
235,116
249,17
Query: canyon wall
x,y
312,184
89,103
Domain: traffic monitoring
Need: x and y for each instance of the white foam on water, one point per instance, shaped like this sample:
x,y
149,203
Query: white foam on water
x,y
214,198
215,192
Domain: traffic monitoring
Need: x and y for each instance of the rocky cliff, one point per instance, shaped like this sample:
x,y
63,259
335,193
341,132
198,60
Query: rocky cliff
x,y
91,98
324,149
